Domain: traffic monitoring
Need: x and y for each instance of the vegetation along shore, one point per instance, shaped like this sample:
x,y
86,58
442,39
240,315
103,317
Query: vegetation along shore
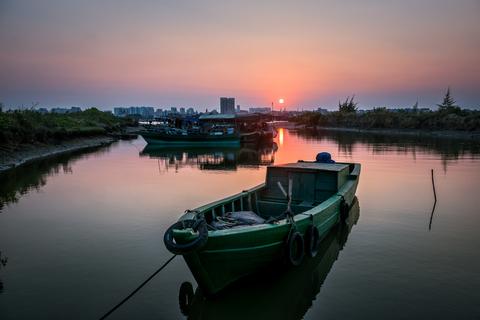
x,y
449,120
27,135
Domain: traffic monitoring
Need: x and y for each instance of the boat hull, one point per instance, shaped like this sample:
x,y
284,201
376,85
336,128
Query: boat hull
x,y
232,254
190,140
227,258
265,293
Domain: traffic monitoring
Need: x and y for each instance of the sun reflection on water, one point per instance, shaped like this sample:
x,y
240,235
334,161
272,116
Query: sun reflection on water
x,y
280,136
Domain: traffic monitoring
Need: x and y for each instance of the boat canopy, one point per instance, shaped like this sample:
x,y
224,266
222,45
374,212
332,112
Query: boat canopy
x,y
312,182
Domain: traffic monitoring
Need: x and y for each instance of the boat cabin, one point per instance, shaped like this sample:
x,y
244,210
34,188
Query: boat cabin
x,y
312,183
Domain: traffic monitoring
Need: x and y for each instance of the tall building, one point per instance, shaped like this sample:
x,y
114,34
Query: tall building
x,y
227,105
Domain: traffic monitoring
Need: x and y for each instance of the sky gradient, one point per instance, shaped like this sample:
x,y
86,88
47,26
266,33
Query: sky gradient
x,y
189,53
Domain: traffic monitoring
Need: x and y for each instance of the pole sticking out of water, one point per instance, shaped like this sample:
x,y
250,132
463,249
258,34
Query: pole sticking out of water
x,y
434,203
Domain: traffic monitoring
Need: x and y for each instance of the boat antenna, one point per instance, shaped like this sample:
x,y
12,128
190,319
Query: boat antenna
x,y
288,212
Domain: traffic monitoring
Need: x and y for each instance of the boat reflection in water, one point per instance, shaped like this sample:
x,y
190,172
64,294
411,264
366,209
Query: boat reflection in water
x,y
211,158
286,294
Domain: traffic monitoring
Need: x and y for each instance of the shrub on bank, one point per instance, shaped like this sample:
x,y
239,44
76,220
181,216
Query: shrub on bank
x,y
382,118
28,126
449,116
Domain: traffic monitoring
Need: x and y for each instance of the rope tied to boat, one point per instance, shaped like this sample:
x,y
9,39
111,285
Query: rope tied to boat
x,y
137,289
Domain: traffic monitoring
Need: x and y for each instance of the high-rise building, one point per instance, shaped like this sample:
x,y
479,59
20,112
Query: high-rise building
x,y
227,105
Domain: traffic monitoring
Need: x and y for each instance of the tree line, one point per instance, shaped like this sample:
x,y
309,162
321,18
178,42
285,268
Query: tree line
x,y
448,116
30,126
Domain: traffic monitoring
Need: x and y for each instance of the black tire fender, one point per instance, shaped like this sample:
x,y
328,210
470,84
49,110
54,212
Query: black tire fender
x,y
295,249
344,210
199,225
185,297
312,240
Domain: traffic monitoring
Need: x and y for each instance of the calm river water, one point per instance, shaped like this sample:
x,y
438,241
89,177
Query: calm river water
x,y
80,231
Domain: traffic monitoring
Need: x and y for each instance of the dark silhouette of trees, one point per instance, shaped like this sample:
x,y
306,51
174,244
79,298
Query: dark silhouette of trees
x,y
449,116
448,105
347,106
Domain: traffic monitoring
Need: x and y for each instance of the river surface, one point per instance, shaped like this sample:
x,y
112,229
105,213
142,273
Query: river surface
x,y
79,232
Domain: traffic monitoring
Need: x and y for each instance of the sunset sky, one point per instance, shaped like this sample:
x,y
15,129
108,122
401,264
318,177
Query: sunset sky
x,y
189,53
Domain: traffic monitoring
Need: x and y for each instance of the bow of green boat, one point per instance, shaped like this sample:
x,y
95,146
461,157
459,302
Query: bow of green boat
x,y
269,225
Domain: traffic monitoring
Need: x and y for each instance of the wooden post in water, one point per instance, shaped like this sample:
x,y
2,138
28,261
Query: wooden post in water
x,y
434,203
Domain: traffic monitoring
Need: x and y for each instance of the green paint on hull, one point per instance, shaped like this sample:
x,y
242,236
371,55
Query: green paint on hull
x,y
200,141
266,294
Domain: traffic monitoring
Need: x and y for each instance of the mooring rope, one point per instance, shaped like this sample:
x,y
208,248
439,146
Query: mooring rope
x,y
138,288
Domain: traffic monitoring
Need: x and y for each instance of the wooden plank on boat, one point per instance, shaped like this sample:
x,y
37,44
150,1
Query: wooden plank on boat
x,y
312,166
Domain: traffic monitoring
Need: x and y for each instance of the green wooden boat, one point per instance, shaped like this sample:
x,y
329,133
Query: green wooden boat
x,y
281,293
258,228
177,137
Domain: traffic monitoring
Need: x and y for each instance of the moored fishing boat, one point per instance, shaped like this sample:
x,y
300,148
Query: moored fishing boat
x,y
263,135
180,137
277,294
279,220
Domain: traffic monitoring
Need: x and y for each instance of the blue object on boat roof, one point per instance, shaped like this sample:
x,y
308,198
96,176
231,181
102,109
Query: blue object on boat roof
x,y
324,157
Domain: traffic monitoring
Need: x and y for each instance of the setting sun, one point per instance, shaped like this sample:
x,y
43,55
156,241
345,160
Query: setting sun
x,y
281,100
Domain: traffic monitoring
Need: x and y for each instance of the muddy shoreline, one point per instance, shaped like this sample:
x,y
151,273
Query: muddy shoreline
x,y
12,157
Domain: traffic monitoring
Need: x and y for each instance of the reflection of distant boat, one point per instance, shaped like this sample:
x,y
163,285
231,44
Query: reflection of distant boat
x,y
283,295
211,158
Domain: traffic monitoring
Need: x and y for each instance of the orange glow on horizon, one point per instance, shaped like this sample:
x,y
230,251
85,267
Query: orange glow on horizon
x,y
151,59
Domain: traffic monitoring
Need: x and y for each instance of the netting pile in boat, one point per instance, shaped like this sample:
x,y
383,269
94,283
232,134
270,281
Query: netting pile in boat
x,y
235,219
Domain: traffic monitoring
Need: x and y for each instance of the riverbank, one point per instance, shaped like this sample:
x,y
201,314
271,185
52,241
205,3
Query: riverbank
x,y
11,157
450,134
32,127
447,122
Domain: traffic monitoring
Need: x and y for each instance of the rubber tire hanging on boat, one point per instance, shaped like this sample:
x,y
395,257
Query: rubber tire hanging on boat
x,y
312,240
344,210
295,249
198,225
185,297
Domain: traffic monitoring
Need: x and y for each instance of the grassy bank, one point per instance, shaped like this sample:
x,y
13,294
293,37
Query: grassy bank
x,y
383,118
448,117
28,127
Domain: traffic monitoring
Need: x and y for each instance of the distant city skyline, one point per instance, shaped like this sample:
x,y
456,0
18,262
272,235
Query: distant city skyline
x,y
190,53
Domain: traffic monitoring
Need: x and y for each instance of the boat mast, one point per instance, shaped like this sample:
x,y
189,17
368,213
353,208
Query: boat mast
x,y
272,113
